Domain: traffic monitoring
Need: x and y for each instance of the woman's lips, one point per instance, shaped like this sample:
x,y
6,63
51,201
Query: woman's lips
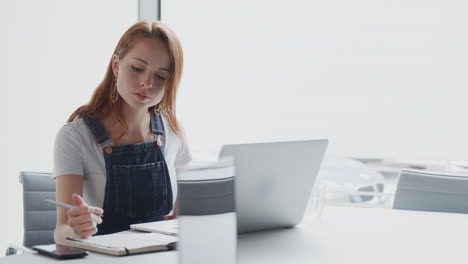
x,y
140,97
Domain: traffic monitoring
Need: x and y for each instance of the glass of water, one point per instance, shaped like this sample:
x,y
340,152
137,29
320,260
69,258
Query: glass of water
x,y
317,200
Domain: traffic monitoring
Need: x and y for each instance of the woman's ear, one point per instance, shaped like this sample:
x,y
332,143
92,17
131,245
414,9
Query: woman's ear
x,y
115,65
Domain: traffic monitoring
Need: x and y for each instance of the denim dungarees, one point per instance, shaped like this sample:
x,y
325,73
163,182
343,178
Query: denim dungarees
x,y
138,187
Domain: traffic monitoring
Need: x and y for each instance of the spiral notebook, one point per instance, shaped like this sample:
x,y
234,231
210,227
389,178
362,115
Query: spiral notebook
x,y
125,243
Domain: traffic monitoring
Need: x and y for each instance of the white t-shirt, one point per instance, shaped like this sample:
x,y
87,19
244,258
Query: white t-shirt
x,y
76,152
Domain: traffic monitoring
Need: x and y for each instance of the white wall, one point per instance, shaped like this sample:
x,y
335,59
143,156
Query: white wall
x,y
53,55
379,78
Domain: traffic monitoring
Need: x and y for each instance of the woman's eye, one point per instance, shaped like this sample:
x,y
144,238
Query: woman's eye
x,y
137,69
159,77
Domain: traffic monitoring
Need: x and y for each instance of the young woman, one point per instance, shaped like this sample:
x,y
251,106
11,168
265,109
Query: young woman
x,y
120,151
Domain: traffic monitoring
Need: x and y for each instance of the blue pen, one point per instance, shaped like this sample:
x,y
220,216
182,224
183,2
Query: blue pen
x,y
63,205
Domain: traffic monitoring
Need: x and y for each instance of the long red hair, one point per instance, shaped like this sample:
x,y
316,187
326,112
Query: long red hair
x,y
101,103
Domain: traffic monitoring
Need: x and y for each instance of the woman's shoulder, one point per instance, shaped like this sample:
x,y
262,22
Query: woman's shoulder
x,y
176,145
77,129
170,134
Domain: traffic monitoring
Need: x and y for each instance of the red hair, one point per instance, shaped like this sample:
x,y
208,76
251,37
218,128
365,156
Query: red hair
x,y
101,103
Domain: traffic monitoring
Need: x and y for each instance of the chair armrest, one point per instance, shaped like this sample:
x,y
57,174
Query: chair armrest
x,y
17,249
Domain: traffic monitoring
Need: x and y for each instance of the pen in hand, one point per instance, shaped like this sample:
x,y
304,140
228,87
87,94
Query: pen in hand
x,y
63,205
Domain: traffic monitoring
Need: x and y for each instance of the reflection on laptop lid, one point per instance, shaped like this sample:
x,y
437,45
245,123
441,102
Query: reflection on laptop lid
x,y
274,181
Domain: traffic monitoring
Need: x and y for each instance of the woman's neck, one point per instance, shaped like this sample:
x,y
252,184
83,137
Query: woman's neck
x,y
138,127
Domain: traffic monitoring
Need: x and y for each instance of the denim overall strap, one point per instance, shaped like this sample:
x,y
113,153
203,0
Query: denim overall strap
x,y
138,187
157,127
100,135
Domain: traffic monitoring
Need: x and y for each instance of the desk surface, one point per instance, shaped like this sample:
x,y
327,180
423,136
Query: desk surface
x,y
341,235
363,235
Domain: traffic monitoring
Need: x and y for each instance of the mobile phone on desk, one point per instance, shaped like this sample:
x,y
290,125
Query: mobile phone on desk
x,y
60,251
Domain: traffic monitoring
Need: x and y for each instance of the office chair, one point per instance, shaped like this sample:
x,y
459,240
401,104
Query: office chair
x,y
39,217
427,191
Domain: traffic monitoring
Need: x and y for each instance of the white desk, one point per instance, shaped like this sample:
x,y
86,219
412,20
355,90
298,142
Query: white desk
x,y
363,235
344,235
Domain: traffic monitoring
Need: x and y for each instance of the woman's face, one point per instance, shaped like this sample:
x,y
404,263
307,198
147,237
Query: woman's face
x,y
142,73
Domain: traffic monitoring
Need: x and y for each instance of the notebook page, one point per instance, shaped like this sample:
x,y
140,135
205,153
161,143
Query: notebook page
x,y
165,227
130,239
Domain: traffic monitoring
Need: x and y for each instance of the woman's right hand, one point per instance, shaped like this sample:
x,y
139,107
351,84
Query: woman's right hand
x,y
83,218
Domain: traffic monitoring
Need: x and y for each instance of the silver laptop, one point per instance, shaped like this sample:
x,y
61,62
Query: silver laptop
x,y
274,181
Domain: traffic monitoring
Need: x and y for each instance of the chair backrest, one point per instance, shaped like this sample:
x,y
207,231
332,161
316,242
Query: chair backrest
x,y
39,217
426,191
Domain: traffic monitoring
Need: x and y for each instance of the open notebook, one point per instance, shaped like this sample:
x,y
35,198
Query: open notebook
x,y
167,227
125,243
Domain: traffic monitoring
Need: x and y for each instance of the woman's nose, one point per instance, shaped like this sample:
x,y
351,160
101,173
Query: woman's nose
x,y
146,82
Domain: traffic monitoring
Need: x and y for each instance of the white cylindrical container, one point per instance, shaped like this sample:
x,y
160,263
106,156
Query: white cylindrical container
x,y
206,214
